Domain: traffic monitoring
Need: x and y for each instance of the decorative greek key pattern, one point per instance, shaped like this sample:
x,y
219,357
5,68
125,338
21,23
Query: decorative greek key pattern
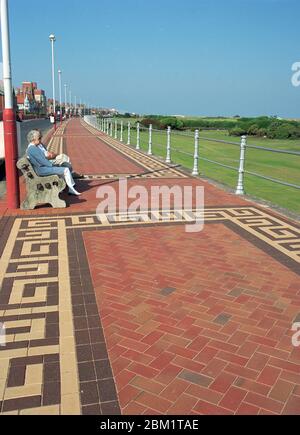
x,y
39,363
38,366
280,235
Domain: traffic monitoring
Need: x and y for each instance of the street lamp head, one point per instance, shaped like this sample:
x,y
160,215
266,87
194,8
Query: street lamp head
x,y
59,71
52,38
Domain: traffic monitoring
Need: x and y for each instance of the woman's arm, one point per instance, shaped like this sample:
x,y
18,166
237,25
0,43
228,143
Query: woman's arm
x,y
36,156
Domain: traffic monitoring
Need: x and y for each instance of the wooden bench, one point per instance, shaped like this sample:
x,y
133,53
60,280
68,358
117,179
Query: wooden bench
x,y
40,190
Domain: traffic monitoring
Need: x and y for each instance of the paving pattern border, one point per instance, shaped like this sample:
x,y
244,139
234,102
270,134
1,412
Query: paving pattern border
x,y
56,360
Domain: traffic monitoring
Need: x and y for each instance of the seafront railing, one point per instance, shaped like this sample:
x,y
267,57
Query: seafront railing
x,y
149,139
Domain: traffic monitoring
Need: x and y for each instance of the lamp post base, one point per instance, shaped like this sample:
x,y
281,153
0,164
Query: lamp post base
x,y
11,157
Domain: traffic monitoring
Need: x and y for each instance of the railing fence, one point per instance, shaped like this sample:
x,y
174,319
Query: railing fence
x,y
105,125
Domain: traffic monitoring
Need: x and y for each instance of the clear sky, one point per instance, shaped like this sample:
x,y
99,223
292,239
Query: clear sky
x,y
193,57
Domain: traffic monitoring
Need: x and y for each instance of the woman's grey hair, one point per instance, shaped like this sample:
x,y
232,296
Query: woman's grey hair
x,y
33,135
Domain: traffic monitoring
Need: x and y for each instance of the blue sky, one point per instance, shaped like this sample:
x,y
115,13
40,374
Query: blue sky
x,y
193,57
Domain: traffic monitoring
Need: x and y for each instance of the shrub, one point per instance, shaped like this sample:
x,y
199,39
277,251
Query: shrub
x,y
237,132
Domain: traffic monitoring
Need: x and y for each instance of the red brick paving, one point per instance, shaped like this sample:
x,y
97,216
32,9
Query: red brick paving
x,y
93,156
216,345
230,368
90,158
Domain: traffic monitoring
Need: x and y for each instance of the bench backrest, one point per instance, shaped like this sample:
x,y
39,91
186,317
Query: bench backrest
x,y
27,169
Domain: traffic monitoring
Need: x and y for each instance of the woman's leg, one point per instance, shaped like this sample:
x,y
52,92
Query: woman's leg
x,y
70,182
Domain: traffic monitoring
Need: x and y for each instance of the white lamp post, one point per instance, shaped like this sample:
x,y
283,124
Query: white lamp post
x,y
70,102
9,117
52,40
60,96
66,99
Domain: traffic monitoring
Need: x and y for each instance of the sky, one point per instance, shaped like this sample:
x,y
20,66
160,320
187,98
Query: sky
x,y
191,57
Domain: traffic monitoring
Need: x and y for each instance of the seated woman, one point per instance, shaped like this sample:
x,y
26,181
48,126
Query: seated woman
x,y
59,160
42,165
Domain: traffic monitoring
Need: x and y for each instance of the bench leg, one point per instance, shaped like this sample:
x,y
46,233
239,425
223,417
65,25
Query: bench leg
x,y
47,197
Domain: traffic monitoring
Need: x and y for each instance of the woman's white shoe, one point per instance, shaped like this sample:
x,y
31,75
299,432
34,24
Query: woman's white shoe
x,y
73,192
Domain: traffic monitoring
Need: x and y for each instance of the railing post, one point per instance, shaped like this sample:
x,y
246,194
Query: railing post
x,y
111,128
129,135
196,154
138,136
150,141
122,128
240,187
168,158
116,129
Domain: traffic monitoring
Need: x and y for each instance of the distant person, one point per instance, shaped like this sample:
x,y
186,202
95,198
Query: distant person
x,y
42,166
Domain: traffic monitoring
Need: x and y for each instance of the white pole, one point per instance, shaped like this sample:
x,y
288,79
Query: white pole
x,y
122,128
60,93
7,80
53,39
75,105
150,141
111,128
196,154
129,134
66,99
70,101
168,159
138,136
9,117
240,187
116,129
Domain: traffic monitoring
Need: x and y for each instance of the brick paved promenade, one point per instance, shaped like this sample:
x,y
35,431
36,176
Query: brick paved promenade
x,y
112,316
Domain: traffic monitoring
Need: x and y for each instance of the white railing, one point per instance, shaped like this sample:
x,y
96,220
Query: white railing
x,y
240,168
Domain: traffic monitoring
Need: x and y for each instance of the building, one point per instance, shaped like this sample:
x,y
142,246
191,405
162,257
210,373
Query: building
x,y
31,100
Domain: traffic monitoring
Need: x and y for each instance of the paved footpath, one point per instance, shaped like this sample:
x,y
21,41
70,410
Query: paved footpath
x,y
113,316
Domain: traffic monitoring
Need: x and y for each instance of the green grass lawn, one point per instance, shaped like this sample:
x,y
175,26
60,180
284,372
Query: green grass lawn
x,y
280,166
